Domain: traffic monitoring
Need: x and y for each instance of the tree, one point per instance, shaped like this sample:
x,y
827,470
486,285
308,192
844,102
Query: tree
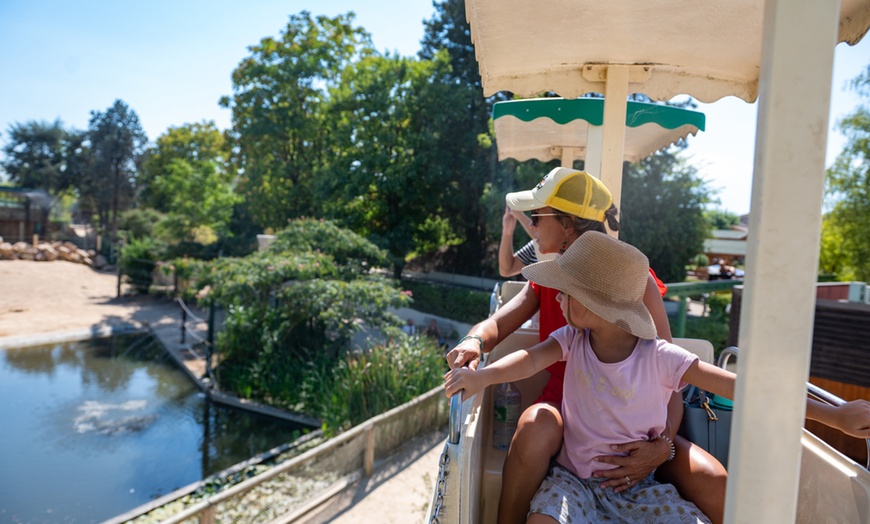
x,y
721,219
277,106
117,144
847,225
471,184
187,160
388,169
663,212
35,156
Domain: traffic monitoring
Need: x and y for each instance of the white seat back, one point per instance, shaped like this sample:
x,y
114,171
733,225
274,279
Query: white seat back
x,y
702,348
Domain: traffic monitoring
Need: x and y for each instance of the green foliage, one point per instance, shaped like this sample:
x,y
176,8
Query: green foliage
x,y
461,304
117,144
721,219
191,160
387,176
35,156
367,383
845,245
351,252
279,121
138,260
707,328
139,222
663,200
293,310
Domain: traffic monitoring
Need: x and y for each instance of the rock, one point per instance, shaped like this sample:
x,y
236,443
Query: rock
x,y
48,252
25,256
6,251
99,262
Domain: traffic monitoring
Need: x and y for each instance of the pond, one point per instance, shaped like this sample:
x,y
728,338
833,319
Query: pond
x,y
90,430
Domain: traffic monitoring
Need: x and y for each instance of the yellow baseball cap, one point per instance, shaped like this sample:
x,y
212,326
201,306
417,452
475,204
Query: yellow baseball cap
x,y
574,192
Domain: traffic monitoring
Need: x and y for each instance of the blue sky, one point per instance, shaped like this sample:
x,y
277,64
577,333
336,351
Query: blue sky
x,y
171,61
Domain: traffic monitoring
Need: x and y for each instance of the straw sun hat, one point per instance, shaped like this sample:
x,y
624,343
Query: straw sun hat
x,y
606,275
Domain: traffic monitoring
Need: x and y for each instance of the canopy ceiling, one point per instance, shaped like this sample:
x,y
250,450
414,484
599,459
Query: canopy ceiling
x,y
526,49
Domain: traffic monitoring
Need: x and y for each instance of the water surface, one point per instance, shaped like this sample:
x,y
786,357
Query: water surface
x,y
90,430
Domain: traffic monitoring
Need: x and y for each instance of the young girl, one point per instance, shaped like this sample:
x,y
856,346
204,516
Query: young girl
x,y
618,381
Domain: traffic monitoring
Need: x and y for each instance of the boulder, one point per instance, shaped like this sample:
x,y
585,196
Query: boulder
x,y
6,251
99,262
48,253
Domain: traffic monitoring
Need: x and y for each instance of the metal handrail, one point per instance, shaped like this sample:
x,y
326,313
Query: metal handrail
x,y
455,417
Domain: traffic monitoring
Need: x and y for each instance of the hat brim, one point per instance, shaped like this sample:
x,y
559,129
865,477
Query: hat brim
x,y
523,201
633,317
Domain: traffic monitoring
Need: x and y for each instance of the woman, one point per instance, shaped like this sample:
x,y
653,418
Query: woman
x,y
564,205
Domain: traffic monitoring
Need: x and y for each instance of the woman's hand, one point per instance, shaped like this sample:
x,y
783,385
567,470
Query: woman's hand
x,y
642,458
463,378
508,222
465,354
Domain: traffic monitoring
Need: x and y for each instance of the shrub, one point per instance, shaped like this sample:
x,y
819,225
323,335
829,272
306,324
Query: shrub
x,y
367,383
138,260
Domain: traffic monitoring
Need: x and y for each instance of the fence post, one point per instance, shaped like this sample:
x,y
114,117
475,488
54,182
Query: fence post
x,y
369,457
210,346
183,322
681,317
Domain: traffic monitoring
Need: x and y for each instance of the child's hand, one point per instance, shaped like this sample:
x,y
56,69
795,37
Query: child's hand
x,y
462,378
853,418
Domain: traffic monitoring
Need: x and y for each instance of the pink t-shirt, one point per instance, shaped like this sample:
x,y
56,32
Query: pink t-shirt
x,y
606,404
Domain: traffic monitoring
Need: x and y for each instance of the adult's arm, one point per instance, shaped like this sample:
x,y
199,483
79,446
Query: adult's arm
x,y
494,329
508,263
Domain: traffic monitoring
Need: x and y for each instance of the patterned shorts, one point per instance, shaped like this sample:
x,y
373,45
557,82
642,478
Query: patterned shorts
x,y
571,500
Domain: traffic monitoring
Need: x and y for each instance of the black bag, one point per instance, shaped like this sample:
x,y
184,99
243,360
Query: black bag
x,y
706,424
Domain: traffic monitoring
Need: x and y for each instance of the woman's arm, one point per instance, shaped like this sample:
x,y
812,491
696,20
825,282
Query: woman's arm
x,y
508,264
518,365
494,329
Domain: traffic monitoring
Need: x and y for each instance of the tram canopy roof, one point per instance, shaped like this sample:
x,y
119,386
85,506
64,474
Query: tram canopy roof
x,y
542,128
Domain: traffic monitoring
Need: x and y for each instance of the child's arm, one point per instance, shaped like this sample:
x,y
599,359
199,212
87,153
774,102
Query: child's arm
x,y
852,418
711,378
515,366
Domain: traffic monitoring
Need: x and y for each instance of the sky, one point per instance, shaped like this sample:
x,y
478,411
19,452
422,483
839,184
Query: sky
x,y
171,61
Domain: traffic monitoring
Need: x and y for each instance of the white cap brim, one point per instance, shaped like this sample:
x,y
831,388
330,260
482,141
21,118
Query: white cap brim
x,y
523,201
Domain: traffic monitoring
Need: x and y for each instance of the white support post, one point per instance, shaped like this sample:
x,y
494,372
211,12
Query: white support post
x,y
594,147
782,260
613,142
569,154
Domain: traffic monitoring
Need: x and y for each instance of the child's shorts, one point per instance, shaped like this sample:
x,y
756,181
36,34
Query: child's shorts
x,y
572,500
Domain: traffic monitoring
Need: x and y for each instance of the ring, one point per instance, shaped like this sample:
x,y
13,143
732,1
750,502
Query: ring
x,y
627,481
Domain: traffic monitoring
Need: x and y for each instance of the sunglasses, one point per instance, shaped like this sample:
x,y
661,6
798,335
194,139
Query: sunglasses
x,y
536,215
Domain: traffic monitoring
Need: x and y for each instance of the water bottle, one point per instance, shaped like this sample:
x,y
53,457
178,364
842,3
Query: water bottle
x,y
505,414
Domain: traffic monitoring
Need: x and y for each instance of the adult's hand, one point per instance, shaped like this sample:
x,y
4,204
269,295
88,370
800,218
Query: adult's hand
x,y
465,354
508,222
634,461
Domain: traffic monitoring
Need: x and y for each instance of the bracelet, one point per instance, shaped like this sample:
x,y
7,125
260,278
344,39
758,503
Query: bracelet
x,y
475,337
671,444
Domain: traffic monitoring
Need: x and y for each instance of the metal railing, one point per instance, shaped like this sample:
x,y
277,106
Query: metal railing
x,y
187,319
682,291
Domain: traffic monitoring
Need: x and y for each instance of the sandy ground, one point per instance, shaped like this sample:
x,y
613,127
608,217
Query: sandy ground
x,y
46,297
40,299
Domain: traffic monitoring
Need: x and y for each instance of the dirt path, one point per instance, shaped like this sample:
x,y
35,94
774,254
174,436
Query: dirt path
x,y
46,297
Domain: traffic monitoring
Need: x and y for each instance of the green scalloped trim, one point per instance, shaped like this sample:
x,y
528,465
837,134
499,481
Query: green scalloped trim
x,y
563,111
